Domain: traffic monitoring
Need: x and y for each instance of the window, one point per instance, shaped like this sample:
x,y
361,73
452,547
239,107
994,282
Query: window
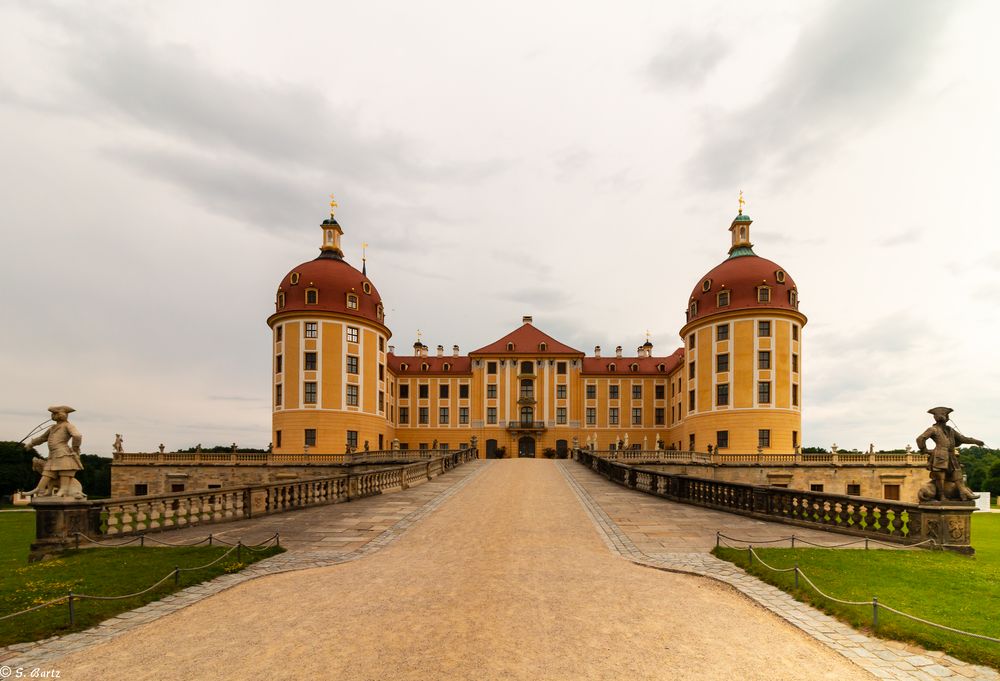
x,y
423,391
510,347
463,391
310,437
561,415
795,439
690,442
491,367
279,333
404,415
381,372
277,364
560,367
591,392
443,416
795,362
691,341
366,287
722,395
795,332
764,359
612,392
591,416
277,439
277,395
311,330
793,298
491,415
853,490
446,367
281,299
795,395
352,301
691,370
140,490
660,391
310,392
612,367
636,416
404,391
764,392
352,439
352,364
722,332
890,492
423,445
815,488
527,415
780,276
764,329
633,367
636,392
722,439
381,400
706,285
694,309
443,391
527,389
722,299
352,334
613,416
491,391
691,400
379,312
423,416
659,415
763,294
352,395
722,362
463,415
312,296
310,361
381,344
764,438
294,279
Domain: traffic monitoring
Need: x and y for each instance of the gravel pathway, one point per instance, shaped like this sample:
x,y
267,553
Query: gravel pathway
x,y
506,580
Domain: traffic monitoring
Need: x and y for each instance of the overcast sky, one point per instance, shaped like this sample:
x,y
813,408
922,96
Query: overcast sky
x,y
165,164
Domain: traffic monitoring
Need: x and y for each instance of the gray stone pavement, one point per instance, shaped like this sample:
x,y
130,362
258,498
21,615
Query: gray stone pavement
x,y
316,537
675,537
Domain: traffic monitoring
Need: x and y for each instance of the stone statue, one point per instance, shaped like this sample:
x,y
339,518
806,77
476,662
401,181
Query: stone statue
x,y
644,443
871,448
63,440
270,447
119,446
162,448
576,442
947,477
434,445
659,442
198,448
625,441
366,445
395,444
709,447
798,449
234,448
833,448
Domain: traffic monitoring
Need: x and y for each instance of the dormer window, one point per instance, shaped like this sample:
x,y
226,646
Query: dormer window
x,y
510,347
542,347
446,366
793,298
779,276
633,367
722,300
312,296
763,294
352,301
281,299
706,285
694,309
366,287
294,279
404,366
424,366
661,368
379,312
612,368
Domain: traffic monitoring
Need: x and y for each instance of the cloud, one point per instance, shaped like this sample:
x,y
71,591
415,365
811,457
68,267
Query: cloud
x,y
855,63
685,59
907,236
540,297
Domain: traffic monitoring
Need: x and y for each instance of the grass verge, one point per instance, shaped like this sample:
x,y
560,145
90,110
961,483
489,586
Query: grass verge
x,y
97,572
939,586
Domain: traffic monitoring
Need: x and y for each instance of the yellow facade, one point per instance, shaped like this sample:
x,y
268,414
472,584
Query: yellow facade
x,y
338,383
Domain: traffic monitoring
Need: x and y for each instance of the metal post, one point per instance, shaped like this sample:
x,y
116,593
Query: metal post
x,y
716,539
209,538
277,539
793,541
750,554
72,615
239,551
874,613
177,575
796,575
142,540
866,543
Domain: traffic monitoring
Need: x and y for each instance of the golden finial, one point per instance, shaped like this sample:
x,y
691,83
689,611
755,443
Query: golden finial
x,y
647,335
333,205
742,202
419,334
364,250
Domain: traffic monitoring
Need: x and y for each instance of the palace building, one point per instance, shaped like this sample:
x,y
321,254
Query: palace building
x,y
734,384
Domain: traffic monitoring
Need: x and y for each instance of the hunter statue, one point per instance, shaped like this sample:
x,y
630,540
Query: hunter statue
x,y
63,440
947,477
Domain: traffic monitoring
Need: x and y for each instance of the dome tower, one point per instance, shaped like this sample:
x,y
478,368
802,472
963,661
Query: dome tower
x,y
329,355
743,354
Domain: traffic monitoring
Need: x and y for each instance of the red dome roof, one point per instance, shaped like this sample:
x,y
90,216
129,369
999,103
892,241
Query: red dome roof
x,y
741,276
333,280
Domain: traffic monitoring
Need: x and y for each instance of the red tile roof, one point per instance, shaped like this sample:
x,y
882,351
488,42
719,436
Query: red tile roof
x,y
435,365
527,340
601,366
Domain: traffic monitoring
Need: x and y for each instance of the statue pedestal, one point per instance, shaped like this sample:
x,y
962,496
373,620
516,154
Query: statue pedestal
x,y
57,520
949,524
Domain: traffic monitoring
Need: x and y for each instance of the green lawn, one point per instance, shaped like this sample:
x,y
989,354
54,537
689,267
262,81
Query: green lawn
x,y
98,572
939,586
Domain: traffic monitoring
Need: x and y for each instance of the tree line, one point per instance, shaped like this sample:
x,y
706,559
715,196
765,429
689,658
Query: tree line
x,y
16,473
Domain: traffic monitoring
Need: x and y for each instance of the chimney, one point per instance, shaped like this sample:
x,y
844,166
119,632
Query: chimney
x,y
597,351
454,350
618,351
639,352
440,351
526,319
392,349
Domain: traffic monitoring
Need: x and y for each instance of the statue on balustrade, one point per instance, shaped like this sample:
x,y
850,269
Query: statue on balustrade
x,y
63,441
119,446
944,462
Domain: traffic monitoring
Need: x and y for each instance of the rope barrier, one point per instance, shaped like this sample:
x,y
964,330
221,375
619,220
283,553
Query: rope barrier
x,y
793,538
139,538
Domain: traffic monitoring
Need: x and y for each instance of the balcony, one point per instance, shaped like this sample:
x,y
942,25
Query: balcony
x,y
536,426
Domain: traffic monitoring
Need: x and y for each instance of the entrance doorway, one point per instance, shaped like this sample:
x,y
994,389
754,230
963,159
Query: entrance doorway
x,y
491,449
526,447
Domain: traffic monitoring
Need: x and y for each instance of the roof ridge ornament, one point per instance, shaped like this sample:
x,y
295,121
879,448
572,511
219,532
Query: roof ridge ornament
x,y
742,202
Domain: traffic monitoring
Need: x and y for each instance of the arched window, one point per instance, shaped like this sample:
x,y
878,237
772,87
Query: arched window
x,y
510,347
404,366
542,347
612,368
281,299
793,298
424,366
763,294
633,367
528,389
352,301
722,300
379,313
446,367
743,233
312,296
694,308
